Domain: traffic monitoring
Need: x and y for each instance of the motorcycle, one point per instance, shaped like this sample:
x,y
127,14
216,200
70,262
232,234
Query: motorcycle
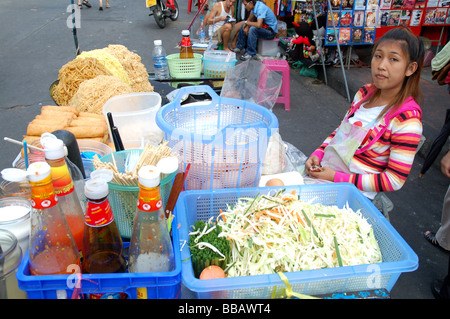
x,y
162,9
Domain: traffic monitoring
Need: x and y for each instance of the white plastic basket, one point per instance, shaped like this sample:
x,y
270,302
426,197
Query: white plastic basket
x,y
224,140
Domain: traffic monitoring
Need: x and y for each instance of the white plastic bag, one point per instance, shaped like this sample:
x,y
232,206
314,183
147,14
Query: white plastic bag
x,y
275,160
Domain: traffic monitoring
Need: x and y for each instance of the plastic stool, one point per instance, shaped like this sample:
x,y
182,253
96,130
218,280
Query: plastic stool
x,y
285,92
200,2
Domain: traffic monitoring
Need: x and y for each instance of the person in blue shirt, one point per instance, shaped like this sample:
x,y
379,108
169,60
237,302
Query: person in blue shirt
x,y
261,24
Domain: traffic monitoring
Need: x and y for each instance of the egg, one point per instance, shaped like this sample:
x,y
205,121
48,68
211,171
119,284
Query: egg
x,y
274,182
212,272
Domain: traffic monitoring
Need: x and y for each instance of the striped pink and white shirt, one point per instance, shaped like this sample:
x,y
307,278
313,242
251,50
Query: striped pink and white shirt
x,y
388,154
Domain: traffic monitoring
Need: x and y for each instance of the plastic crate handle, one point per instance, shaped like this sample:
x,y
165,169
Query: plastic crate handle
x,y
195,89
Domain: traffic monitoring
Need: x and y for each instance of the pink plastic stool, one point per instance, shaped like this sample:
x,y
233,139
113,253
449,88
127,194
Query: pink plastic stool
x,y
190,6
285,91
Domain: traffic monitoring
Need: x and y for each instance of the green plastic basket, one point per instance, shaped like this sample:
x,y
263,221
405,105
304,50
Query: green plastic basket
x,y
184,68
123,199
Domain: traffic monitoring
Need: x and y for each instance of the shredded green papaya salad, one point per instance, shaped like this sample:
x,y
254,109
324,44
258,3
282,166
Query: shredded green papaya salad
x,y
280,233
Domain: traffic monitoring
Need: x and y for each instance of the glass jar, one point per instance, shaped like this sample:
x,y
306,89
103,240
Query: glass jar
x,y
10,259
15,217
15,189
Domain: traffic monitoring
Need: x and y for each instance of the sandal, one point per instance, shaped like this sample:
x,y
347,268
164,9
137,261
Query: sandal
x,y
80,6
431,237
87,4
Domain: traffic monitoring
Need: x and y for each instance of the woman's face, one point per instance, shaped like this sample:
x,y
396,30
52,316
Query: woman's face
x,y
390,66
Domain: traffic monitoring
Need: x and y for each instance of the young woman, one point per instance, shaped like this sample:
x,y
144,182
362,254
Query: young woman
x,y
375,144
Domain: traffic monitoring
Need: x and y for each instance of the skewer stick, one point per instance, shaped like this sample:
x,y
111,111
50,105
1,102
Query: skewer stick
x,y
21,144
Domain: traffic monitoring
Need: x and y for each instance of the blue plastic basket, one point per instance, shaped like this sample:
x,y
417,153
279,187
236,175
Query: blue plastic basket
x,y
160,285
217,69
225,140
397,256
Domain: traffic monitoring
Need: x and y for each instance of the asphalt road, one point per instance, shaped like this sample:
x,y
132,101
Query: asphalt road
x,y
36,41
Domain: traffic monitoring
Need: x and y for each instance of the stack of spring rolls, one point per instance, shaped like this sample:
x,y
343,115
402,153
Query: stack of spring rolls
x,y
84,125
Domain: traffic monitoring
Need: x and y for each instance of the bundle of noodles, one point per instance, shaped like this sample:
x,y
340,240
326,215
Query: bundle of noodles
x,y
131,62
72,74
93,94
109,61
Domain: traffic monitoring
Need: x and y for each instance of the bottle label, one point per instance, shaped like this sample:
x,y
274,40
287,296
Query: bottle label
x,y
44,198
98,214
148,202
186,42
160,62
62,181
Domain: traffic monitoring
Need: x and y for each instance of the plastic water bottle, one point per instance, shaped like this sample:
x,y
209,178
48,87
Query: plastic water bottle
x,y
201,31
160,61
210,31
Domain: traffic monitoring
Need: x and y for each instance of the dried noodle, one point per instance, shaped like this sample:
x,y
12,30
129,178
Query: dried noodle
x,y
131,62
93,94
109,61
72,74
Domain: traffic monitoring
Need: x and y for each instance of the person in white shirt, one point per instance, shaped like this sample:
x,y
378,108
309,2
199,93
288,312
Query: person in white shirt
x,y
221,18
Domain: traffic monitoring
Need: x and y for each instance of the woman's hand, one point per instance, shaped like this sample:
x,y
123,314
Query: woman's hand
x,y
445,165
311,162
325,173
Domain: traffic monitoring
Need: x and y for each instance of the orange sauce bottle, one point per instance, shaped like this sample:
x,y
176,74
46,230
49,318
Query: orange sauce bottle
x,y
186,46
64,187
52,245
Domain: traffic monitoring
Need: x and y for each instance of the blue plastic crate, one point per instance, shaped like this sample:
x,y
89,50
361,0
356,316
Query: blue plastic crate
x,y
397,256
160,285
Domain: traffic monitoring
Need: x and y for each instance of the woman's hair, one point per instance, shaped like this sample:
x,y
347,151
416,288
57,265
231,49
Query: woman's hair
x,y
413,49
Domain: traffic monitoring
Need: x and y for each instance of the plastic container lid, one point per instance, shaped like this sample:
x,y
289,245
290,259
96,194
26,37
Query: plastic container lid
x,y
157,42
53,148
168,165
97,186
219,55
149,176
185,33
38,171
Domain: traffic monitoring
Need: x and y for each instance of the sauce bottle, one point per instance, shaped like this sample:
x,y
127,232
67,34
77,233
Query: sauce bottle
x,y
186,46
150,245
52,246
64,187
102,246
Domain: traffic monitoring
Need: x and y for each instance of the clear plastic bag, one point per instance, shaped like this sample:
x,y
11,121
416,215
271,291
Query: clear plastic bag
x,y
296,158
252,81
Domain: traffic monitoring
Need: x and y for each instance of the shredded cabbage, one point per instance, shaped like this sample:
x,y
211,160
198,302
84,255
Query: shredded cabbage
x,y
281,233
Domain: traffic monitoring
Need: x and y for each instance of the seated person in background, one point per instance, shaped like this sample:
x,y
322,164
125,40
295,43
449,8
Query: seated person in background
x,y
375,144
220,15
261,24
